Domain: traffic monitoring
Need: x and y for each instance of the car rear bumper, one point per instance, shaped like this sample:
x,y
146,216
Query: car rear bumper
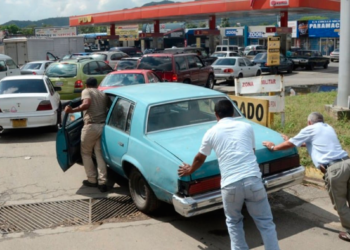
x,y
33,119
203,203
224,76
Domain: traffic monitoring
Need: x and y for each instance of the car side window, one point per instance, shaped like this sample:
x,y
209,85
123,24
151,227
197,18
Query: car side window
x,y
115,57
105,68
180,63
3,66
241,63
11,64
247,62
204,53
50,86
198,62
93,68
151,78
119,116
233,54
191,62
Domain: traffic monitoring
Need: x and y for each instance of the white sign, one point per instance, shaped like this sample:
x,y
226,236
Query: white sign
x,y
278,3
256,34
276,102
259,84
56,32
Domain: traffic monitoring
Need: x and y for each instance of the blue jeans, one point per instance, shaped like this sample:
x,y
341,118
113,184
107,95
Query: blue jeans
x,y
250,191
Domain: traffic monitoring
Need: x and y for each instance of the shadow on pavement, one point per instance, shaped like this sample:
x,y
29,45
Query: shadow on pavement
x,y
27,135
211,230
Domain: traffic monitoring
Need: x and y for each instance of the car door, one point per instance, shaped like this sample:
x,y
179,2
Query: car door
x,y
243,67
202,73
250,68
116,133
13,69
194,70
3,69
68,138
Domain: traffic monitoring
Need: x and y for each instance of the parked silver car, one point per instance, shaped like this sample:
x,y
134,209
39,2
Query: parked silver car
x,y
228,68
109,57
334,56
35,68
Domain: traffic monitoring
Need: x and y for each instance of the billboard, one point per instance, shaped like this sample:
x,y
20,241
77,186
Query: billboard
x,y
56,32
324,28
303,28
127,33
233,32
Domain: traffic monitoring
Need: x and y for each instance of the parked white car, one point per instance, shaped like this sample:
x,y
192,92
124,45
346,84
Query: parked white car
x,y
35,68
8,67
29,101
228,68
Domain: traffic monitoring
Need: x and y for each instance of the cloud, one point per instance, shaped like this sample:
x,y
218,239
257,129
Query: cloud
x,y
32,10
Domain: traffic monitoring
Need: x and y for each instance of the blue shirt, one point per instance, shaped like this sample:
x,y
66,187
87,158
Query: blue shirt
x,y
322,143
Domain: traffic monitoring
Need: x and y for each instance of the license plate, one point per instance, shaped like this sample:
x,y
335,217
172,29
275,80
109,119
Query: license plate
x,y
59,84
217,71
19,123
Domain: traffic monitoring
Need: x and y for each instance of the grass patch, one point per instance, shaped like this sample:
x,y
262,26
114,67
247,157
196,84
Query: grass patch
x,y
297,110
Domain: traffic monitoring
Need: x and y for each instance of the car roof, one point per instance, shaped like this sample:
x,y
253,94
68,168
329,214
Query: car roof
x,y
167,54
131,71
231,57
5,56
44,61
22,77
162,92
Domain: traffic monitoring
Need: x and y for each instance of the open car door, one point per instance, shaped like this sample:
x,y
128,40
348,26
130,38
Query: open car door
x,y
68,138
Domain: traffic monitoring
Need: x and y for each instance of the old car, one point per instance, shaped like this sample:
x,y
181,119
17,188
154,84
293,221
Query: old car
x,y
286,65
334,55
309,59
151,129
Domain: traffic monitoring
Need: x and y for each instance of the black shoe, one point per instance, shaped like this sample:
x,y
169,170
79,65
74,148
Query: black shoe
x,y
89,184
103,188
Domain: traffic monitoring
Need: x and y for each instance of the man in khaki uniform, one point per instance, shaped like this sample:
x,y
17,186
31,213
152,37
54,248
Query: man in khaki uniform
x,y
327,155
95,105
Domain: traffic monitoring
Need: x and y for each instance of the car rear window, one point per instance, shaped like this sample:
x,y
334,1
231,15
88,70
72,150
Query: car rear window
x,y
22,86
156,63
126,65
32,66
260,56
61,70
219,54
183,113
122,79
225,61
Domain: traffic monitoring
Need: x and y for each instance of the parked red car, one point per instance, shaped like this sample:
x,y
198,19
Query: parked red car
x,y
128,77
186,68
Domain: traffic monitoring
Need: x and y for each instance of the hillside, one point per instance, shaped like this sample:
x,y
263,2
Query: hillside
x,y
56,21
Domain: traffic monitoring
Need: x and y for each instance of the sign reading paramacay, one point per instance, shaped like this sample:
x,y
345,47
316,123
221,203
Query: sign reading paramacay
x,y
324,28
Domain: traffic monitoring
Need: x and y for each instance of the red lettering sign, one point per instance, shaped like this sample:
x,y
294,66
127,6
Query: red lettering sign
x,y
247,84
268,81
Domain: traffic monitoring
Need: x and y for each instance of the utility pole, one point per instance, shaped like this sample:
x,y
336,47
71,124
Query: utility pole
x,y
344,59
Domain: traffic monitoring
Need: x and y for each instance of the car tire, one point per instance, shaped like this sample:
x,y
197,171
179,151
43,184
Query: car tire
x,y
325,66
215,82
290,69
312,66
210,82
141,193
258,73
332,60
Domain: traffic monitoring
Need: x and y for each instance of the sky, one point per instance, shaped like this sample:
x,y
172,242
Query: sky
x,y
34,10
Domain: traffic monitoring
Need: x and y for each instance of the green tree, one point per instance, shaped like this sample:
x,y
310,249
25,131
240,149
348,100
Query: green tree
x,y
191,26
12,28
202,25
29,31
306,18
225,22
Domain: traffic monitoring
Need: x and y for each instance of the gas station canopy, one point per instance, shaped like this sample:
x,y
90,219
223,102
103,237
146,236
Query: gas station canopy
x,y
203,9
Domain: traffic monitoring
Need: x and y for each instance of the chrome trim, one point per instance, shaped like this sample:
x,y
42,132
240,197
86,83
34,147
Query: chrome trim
x,y
203,203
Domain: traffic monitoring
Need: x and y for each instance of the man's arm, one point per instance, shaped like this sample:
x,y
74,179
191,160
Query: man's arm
x,y
187,169
84,106
281,146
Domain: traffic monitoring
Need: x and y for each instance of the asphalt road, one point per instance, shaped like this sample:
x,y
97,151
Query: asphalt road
x,y
301,77
29,173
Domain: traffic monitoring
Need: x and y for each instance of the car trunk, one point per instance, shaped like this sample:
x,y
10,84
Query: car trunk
x,y
27,72
21,103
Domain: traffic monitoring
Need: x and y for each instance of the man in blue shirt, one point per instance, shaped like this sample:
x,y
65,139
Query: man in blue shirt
x,y
327,155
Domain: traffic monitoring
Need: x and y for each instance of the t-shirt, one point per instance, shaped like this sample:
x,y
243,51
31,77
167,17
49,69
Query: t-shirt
x,y
233,142
97,112
322,143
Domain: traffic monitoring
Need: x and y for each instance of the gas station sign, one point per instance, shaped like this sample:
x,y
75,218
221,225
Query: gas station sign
x,y
273,51
278,3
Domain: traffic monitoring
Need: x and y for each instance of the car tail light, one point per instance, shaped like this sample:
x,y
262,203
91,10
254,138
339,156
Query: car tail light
x,y
228,70
78,84
174,78
107,62
280,165
199,186
44,105
34,73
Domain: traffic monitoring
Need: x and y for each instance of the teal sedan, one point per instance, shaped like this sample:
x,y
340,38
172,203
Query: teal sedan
x,y
151,129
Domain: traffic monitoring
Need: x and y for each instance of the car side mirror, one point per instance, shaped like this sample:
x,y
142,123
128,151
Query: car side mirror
x,y
57,88
252,63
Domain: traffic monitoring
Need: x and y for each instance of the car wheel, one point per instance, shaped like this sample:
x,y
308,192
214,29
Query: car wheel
x,y
312,66
215,82
141,193
258,73
290,69
325,66
210,82
332,60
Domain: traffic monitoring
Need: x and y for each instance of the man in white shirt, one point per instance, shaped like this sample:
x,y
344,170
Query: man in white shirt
x,y
234,144
327,155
